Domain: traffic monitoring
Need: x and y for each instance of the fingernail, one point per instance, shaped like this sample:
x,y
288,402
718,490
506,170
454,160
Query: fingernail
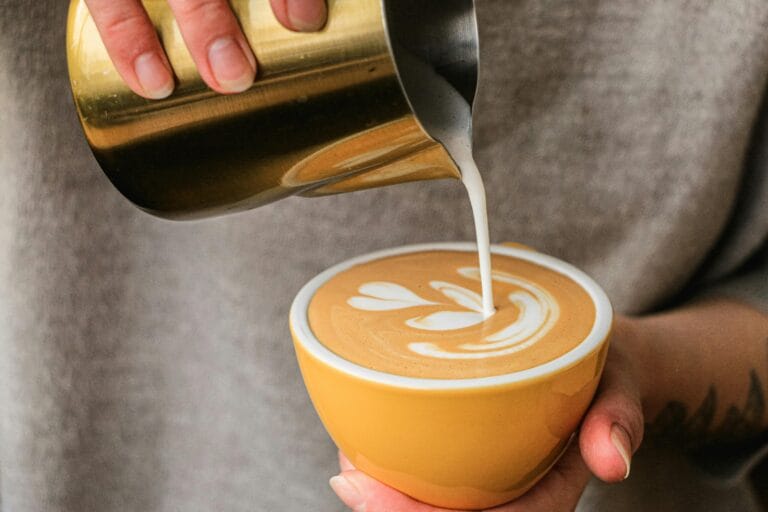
x,y
230,66
153,75
348,493
306,15
620,439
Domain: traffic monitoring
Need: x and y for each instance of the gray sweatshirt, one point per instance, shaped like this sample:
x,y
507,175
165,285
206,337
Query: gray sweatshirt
x,y
146,365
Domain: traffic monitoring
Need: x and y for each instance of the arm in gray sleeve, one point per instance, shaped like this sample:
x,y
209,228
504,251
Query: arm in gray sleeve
x,y
750,284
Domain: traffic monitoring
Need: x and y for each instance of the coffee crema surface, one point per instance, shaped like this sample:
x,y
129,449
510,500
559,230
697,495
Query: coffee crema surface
x,y
421,315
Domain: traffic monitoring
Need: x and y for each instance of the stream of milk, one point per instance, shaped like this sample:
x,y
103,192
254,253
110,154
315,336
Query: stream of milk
x,y
451,125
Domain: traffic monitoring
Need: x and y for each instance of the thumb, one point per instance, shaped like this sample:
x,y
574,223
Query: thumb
x,y
613,427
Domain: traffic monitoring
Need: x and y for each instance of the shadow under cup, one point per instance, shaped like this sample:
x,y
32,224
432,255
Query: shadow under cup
x,y
457,443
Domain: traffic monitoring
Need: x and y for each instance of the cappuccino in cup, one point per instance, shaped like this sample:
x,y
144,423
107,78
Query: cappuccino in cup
x,y
426,393
420,314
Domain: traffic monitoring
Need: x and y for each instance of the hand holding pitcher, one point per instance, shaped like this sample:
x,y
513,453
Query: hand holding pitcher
x,y
212,34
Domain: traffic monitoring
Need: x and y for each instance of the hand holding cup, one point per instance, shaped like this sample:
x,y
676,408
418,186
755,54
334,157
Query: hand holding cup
x,y
611,431
437,418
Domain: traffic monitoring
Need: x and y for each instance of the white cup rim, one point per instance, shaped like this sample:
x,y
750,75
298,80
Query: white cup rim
x,y
601,327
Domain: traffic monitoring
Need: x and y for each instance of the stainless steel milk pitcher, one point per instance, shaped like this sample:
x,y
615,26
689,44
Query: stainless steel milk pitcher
x,y
328,113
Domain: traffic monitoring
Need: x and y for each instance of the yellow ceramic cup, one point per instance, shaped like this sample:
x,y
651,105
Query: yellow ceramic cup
x,y
461,443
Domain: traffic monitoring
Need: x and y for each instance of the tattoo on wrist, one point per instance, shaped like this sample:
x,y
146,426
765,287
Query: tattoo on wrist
x,y
674,426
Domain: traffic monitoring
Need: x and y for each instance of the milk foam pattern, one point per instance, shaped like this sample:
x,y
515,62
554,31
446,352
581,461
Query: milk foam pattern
x,y
538,313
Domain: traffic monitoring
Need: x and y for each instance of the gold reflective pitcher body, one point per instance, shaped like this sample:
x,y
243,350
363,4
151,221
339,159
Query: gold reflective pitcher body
x,y
339,110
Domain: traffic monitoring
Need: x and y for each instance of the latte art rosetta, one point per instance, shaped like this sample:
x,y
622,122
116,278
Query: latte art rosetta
x,y
538,312
421,314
